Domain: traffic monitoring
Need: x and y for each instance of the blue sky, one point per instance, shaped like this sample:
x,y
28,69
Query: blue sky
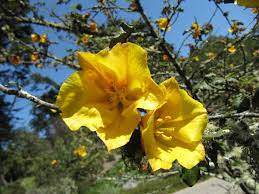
x,y
201,10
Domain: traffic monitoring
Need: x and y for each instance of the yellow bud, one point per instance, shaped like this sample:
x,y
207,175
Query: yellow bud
x,y
55,162
35,38
44,38
93,27
15,59
134,6
234,28
196,30
211,55
163,23
231,48
80,151
196,59
85,39
165,57
86,16
34,56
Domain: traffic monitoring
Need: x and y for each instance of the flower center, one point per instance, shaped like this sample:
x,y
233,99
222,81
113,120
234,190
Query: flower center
x,y
116,95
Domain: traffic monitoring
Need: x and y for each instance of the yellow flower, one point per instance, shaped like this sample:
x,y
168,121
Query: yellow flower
x,y
196,59
163,23
105,95
165,57
182,59
211,55
44,38
15,59
35,37
234,28
35,57
248,3
55,162
231,48
196,30
134,6
174,131
93,27
80,151
85,38
86,16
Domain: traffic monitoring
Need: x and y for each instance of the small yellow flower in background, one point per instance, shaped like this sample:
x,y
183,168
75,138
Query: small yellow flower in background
x,y
106,94
44,38
196,30
15,59
196,59
34,57
134,6
234,28
163,23
211,55
165,57
86,16
231,48
93,27
174,130
35,37
80,151
55,162
182,59
85,38
248,3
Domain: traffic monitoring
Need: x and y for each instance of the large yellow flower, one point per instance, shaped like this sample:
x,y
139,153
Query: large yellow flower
x,y
248,3
174,131
105,94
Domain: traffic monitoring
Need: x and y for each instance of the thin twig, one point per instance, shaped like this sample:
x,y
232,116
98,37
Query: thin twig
x,y
23,94
164,47
235,115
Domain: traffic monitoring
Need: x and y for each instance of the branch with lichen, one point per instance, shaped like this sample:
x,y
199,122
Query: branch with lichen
x,y
23,94
54,25
164,47
235,115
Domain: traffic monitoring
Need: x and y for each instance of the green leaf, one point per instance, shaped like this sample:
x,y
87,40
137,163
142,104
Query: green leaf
x,y
190,176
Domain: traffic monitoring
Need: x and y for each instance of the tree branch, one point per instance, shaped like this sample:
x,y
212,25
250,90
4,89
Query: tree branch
x,y
165,48
26,95
54,25
235,115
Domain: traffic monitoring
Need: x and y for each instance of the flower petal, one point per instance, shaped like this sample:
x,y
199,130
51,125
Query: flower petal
x,y
188,155
189,117
81,101
118,133
153,97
